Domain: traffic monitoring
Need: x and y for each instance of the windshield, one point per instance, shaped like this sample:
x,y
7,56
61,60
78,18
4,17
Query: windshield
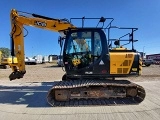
x,y
84,42
83,48
79,42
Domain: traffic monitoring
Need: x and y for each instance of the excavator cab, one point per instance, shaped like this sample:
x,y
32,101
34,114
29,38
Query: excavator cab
x,y
87,54
85,49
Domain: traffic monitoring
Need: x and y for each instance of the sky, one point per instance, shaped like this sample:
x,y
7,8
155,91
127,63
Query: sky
x,y
141,14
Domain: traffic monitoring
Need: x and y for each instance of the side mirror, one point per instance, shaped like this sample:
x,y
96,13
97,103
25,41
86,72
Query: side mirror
x,y
117,43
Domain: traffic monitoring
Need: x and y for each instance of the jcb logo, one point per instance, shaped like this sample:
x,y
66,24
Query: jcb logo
x,y
42,24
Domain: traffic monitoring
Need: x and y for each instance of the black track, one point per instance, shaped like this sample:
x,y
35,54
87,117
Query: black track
x,y
90,102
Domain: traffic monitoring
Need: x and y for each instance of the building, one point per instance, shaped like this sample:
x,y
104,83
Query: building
x,y
155,57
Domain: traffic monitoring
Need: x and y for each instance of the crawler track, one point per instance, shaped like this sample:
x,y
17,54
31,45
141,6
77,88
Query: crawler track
x,y
102,85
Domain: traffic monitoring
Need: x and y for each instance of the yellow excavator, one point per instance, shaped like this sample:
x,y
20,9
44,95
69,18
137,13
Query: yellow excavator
x,y
6,61
90,59
2,66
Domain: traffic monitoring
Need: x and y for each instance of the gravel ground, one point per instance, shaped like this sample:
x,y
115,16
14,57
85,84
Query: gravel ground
x,y
26,98
36,73
50,72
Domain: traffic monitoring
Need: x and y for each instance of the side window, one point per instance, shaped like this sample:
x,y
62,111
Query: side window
x,y
97,44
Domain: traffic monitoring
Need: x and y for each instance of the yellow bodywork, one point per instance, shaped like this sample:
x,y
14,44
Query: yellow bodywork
x,y
9,60
121,63
0,57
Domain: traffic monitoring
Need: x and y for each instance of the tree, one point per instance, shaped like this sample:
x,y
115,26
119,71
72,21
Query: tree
x,y
5,52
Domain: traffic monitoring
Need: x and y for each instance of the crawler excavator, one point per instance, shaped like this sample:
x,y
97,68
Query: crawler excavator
x,y
5,61
90,60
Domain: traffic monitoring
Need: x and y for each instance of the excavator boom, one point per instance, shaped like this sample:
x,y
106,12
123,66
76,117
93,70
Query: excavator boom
x,y
17,37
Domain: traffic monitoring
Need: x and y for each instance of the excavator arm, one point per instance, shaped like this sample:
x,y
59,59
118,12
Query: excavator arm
x,y
17,36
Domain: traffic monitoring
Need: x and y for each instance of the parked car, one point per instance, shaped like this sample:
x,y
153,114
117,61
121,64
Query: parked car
x,y
147,62
30,61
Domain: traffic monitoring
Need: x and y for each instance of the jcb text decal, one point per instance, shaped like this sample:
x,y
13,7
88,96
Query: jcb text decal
x,y
42,24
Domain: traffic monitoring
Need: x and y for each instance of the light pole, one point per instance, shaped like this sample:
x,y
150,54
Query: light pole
x,y
143,51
